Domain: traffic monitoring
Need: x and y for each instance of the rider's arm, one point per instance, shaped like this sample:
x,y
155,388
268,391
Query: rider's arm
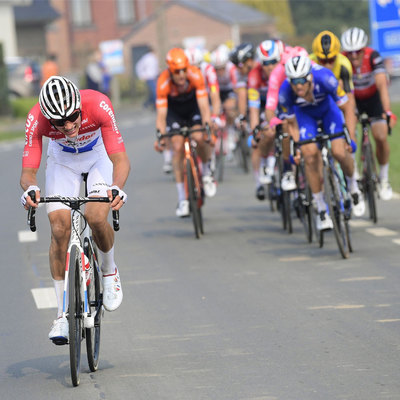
x,y
348,109
242,100
381,84
121,168
161,119
204,108
28,179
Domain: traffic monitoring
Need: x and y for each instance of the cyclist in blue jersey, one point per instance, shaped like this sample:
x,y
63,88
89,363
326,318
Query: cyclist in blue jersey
x,y
310,95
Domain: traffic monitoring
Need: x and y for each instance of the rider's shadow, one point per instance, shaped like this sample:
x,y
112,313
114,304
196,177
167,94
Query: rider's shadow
x,y
54,368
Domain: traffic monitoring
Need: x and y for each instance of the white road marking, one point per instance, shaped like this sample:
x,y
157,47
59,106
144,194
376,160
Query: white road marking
x,y
298,258
388,320
380,232
362,278
357,223
45,297
396,241
338,307
27,236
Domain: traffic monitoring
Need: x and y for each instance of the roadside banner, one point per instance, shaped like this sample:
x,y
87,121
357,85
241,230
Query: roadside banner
x,y
385,26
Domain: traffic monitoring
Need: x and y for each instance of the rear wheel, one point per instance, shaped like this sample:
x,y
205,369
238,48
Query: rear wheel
x,y
75,314
95,304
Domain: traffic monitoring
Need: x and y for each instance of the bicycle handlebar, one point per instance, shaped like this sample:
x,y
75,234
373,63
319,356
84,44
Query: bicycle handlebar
x,y
319,138
74,203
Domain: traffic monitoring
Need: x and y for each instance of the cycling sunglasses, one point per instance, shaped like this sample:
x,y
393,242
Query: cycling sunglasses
x,y
72,118
356,52
296,81
326,60
178,71
269,62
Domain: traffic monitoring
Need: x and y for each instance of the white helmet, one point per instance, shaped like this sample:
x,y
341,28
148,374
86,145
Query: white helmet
x,y
220,56
195,56
298,67
354,39
59,98
269,51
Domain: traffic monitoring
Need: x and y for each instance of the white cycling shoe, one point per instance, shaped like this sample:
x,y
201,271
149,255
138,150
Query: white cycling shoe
x,y
112,291
358,203
385,190
324,221
288,182
210,186
59,333
182,210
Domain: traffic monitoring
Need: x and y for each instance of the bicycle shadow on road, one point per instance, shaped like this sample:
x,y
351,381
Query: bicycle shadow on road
x,y
54,368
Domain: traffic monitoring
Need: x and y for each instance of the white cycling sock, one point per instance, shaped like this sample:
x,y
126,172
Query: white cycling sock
x,y
180,187
320,202
108,266
59,288
167,153
271,162
384,172
257,178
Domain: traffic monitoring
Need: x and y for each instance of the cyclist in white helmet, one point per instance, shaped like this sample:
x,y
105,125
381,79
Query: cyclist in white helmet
x,y
312,94
84,138
372,97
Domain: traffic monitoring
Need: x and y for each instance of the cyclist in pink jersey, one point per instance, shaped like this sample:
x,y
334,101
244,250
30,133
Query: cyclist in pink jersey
x,y
276,79
84,138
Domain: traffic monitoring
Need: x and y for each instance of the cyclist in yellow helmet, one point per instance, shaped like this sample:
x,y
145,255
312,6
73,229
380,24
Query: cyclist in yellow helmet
x,y
326,52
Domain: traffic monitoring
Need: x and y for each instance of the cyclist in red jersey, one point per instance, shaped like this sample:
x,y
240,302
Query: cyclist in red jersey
x,y
263,162
372,97
84,138
182,100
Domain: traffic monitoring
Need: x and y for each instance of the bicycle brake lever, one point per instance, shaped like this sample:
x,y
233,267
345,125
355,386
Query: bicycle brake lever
x,y
115,214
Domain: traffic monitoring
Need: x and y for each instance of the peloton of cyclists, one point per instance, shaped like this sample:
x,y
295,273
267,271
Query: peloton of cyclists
x,y
182,100
312,94
372,97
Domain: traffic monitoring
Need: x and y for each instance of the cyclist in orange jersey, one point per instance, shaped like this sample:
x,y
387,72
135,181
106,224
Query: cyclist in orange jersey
x,y
182,100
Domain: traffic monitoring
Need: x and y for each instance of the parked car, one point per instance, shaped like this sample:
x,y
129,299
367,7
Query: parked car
x,y
23,76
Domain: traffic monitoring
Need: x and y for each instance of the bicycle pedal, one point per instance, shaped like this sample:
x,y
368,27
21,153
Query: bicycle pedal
x,y
60,341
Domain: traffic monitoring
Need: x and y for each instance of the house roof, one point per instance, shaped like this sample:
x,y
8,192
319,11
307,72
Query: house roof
x,y
226,11
39,11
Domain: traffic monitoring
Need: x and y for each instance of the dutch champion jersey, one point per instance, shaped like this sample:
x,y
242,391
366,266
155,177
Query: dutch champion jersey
x,y
98,126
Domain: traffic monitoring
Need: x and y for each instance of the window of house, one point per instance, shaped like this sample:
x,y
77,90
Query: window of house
x,y
81,12
125,11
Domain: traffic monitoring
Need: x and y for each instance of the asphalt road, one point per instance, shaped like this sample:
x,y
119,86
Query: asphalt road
x,y
246,312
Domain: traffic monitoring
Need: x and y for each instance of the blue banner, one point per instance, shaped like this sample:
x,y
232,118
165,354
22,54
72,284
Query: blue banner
x,y
385,26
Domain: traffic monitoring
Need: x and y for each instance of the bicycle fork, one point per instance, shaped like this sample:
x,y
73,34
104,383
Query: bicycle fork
x,y
88,319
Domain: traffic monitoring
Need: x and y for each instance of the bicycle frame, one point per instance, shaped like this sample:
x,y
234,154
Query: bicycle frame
x,y
190,155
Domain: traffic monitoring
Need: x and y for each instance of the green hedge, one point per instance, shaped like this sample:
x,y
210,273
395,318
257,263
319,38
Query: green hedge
x,y
21,106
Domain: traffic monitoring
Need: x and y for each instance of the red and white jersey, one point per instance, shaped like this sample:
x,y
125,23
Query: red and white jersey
x,y
210,77
227,77
364,76
98,128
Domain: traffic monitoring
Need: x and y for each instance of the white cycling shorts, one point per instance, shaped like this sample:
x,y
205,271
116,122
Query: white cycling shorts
x,y
64,173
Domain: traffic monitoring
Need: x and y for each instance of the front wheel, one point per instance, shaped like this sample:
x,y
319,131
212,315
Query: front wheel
x,y
75,314
95,304
332,196
193,200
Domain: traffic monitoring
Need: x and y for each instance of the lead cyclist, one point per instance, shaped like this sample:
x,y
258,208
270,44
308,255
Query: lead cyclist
x,y
84,138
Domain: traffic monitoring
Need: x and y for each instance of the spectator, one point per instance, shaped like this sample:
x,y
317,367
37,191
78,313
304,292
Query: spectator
x,y
147,69
49,68
94,72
